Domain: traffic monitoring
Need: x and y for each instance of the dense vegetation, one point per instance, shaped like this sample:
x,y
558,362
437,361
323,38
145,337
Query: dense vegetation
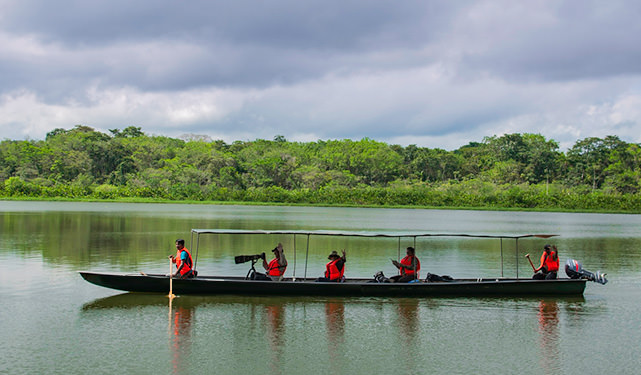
x,y
510,171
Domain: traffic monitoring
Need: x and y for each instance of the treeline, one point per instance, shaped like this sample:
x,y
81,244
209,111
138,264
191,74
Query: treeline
x,y
513,170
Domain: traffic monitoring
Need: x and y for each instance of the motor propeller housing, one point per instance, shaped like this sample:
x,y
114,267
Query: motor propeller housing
x,y
574,270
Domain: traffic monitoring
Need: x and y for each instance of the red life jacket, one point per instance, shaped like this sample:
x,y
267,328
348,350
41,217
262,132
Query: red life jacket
x,y
551,265
187,267
332,272
275,269
407,261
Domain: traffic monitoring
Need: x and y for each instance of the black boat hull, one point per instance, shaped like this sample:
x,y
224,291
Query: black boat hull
x,y
233,285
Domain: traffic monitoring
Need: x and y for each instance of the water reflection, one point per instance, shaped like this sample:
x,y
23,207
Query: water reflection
x,y
335,323
408,322
275,318
180,320
137,237
548,316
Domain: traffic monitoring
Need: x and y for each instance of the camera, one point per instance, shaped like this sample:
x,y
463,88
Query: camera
x,y
246,258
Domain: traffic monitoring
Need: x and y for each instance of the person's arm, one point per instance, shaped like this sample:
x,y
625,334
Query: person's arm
x,y
184,258
414,265
282,261
542,262
182,264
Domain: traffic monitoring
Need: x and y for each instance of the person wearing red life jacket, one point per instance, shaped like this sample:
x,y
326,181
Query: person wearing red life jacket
x,y
549,264
335,269
184,263
408,267
275,269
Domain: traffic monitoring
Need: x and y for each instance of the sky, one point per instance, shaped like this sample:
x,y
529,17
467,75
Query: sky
x,y
436,74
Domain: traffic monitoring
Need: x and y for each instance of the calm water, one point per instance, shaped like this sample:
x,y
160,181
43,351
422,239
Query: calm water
x,y
53,322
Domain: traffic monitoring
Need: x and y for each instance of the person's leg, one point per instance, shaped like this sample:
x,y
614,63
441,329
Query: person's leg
x,y
538,276
395,278
406,279
550,276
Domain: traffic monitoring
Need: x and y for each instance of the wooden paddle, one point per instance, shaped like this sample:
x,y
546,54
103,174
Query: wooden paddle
x,y
531,264
171,284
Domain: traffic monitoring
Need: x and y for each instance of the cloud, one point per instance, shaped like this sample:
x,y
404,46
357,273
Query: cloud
x,y
437,73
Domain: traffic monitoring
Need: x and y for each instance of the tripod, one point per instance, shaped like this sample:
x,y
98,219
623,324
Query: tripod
x,y
252,270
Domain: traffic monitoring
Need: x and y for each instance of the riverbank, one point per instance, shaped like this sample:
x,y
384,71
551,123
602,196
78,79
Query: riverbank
x,y
353,205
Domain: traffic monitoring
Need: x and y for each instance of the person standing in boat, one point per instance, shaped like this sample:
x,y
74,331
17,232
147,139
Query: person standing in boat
x,y
335,269
277,266
549,264
408,267
183,261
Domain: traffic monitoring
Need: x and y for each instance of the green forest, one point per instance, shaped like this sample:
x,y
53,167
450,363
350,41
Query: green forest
x,y
522,171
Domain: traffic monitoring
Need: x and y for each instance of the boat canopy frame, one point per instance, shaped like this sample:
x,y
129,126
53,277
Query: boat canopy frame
x,y
308,233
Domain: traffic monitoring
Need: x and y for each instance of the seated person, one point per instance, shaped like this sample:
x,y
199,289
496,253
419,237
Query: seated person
x,y
549,264
335,269
184,263
277,266
408,267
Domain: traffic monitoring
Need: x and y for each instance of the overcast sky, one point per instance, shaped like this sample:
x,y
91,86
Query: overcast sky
x,y
430,73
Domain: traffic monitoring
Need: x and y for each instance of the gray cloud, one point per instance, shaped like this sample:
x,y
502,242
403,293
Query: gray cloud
x,y
437,73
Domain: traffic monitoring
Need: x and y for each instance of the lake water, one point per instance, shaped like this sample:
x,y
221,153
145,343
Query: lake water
x,y
53,322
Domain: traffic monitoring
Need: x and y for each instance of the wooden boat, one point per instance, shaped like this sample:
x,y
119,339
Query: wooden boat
x,y
304,286
210,285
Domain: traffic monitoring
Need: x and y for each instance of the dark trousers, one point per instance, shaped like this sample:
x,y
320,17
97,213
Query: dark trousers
x,y
541,275
326,280
403,279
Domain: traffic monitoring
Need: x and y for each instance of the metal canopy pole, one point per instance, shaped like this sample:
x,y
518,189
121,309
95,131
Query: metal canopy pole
x,y
306,257
517,258
191,244
294,276
501,257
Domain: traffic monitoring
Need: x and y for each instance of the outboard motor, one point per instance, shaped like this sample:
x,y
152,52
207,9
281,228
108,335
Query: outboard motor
x,y
574,270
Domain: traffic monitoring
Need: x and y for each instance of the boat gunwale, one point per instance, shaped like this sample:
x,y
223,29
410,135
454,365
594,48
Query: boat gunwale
x,y
352,281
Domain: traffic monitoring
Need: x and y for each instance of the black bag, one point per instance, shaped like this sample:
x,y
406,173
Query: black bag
x,y
379,278
432,278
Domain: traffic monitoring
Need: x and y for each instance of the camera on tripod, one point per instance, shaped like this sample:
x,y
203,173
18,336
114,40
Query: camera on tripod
x,y
246,258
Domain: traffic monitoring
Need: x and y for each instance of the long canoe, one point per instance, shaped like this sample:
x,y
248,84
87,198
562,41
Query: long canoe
x,y
304,286
211,285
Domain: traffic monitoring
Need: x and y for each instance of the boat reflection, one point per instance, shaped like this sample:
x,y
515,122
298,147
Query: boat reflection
x,y
548,316
275,332
180,323
335,326
137,300
408,322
